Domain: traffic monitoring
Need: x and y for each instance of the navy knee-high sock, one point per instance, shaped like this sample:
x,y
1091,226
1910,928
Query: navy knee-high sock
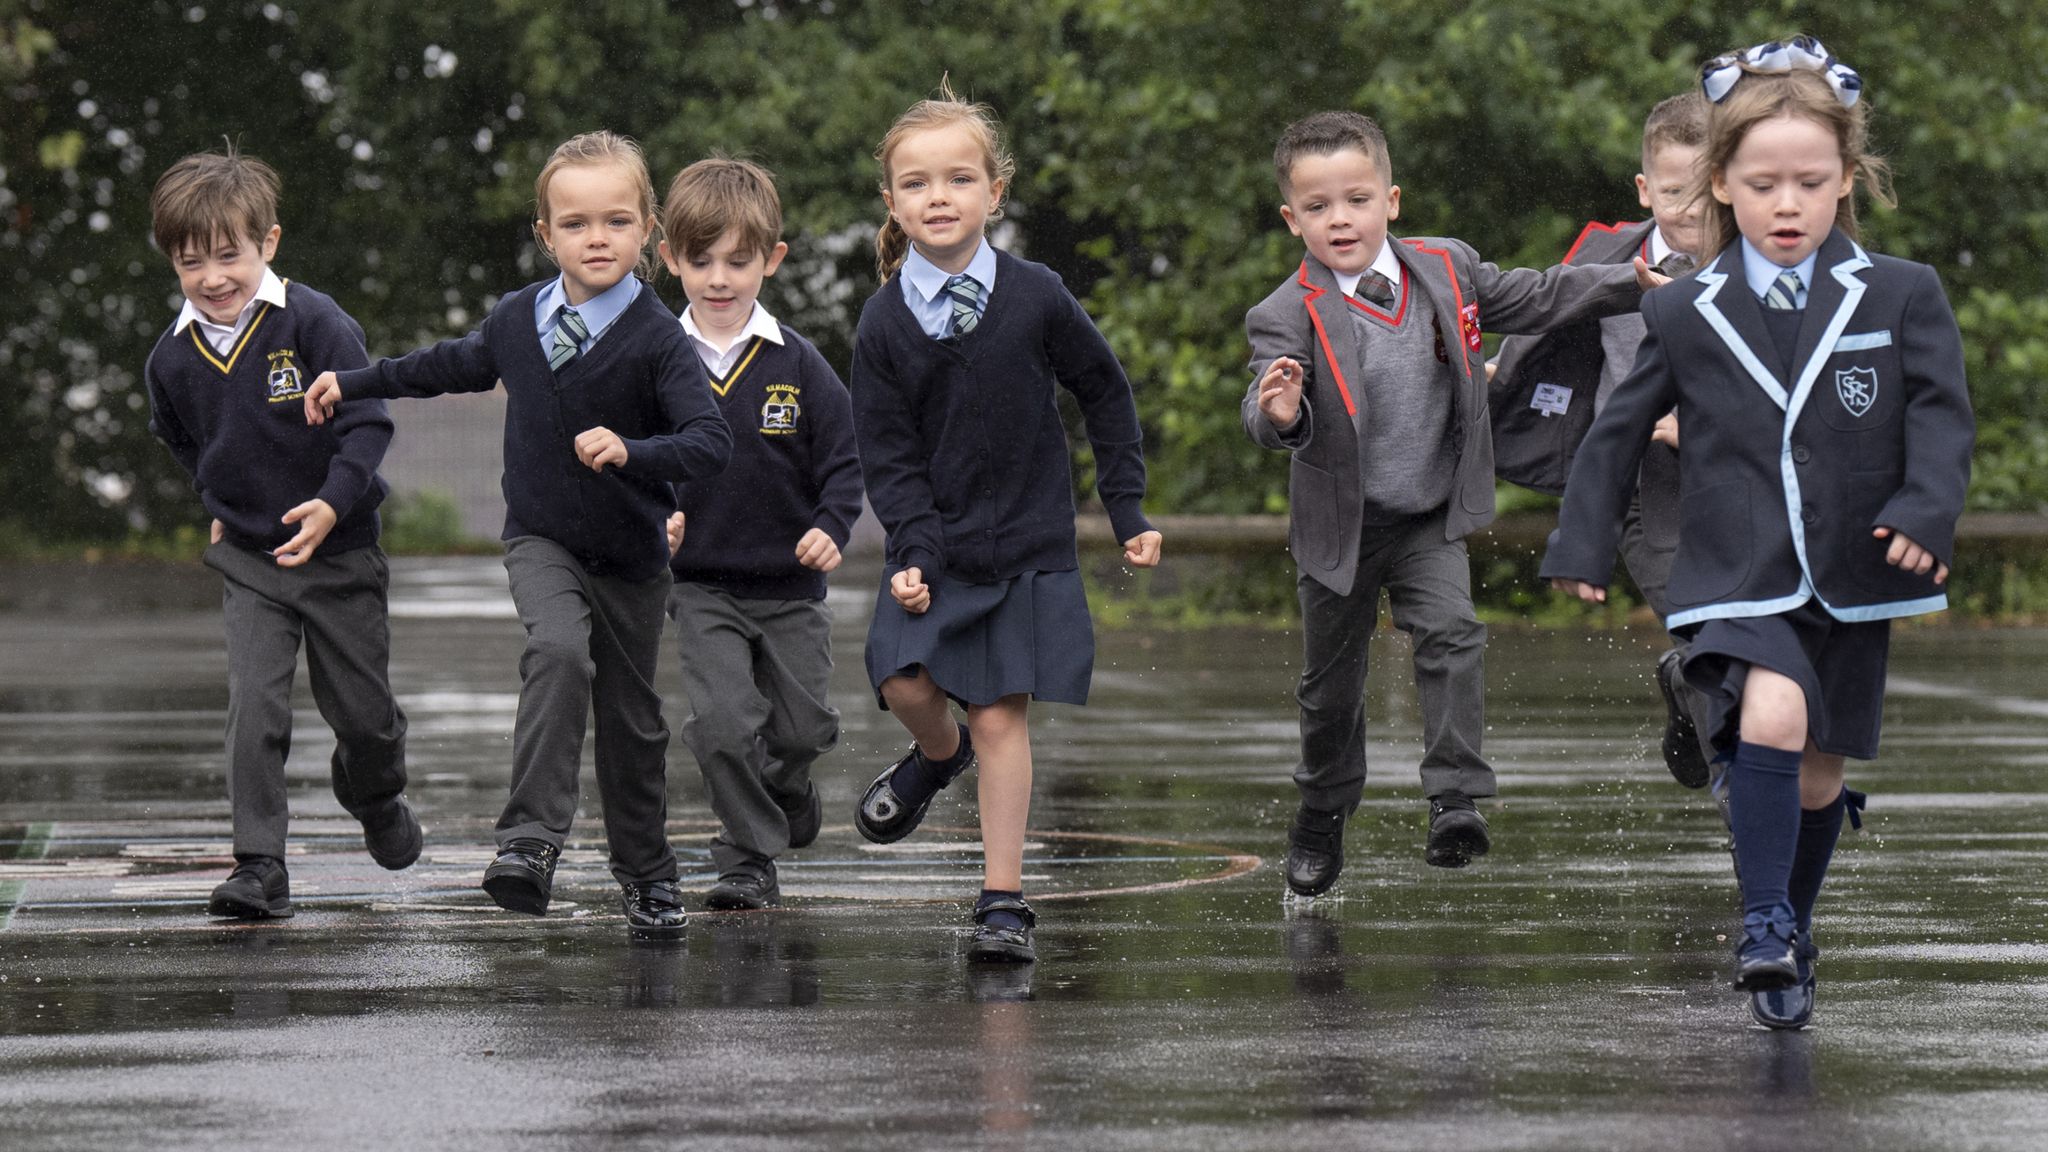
x,y
1819,828
917,780
1763,812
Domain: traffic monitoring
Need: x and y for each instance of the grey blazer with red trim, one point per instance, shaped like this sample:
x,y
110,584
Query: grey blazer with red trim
x,y
1304,319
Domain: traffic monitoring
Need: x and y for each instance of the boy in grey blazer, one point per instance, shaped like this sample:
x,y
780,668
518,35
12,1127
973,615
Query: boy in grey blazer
x,y
1367,366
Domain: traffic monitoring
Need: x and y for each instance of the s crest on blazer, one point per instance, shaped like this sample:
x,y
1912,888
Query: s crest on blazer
x,y
1787,468
1304,318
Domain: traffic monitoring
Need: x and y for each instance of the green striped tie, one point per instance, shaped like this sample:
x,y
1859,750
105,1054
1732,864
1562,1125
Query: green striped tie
x,y
566,338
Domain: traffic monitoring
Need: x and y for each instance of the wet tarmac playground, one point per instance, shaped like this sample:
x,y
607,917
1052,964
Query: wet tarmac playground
x,y
1564,992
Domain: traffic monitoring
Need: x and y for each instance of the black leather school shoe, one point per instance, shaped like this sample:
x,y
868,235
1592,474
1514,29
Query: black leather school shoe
x,y
654,910
393,836
1789,1008
1681,738
806,816
883,817
743,892
258,889
1763,960
998,945
1315,851
522,878
1457,832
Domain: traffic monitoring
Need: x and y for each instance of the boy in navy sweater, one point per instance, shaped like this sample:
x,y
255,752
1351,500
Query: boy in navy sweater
x,y
294,517
606,409
749,599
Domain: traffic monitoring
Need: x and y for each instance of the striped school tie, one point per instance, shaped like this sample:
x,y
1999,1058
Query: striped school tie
x,y
966,293
567,337
1783,294
1374,288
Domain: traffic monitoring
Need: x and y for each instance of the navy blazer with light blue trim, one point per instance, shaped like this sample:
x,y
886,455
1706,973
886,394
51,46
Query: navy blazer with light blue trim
x,y
1786,471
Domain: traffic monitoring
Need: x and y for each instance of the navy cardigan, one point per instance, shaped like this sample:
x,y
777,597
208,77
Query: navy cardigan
x,y
961,442
641,379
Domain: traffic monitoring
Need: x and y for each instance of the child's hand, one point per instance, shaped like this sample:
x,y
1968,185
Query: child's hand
x,y
675,532
1280,391
321,398
599,447
1648,277
1666,431
315,519
1590,593
1142,550
817,551
1492,367
219,530
1910,556
910,590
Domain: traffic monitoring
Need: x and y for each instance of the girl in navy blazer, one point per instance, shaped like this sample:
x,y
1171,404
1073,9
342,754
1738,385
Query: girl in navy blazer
x,y
957,364
1827,429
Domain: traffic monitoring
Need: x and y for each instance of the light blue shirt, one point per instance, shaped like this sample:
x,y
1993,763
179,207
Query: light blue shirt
x,y
598,312
1761,273
924,288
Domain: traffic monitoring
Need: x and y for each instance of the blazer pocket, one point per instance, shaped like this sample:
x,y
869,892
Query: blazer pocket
x,y
1715,546
1863,554
1859,390
1312,533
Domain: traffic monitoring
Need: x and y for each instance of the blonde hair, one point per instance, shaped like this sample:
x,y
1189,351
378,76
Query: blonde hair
x,y
595,148
1758,97
211,196
892,245
716,195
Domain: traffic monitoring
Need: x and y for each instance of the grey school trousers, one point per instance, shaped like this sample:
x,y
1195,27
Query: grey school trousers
x,y
335,602
757,673
1429,583
591,641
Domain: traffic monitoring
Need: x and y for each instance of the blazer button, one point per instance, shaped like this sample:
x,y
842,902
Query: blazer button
x,y
1800,455
1808,514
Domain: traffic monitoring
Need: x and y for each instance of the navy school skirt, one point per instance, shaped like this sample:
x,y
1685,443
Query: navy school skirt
x,y
1839,666
981,642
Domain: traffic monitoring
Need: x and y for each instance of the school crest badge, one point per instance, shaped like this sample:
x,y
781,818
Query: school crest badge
x,y
780,410
1468,319
286,381
1857,388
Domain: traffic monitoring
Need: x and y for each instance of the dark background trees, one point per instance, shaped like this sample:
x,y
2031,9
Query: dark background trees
x,y
408,136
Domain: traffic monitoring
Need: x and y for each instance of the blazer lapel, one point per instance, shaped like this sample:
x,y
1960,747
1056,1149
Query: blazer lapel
x,y
1731,310
1430,269
1326,313
1830,301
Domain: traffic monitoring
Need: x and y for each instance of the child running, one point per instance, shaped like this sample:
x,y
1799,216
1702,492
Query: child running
x,y
1827,449
956,362
606,408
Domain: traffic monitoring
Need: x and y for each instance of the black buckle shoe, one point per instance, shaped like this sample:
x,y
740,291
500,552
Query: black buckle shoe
x,y
1764,960
883,817
1789,1008
1457,832
522,878
744,892
393,836
806,816
654,910
1315,851
1681,739
258,889
998,945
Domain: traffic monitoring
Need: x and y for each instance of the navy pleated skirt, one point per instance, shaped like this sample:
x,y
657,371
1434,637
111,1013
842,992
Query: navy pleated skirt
x,y
981,642
1839,666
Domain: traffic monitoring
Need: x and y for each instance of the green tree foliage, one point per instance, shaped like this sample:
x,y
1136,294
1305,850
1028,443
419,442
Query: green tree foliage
x,y
408,137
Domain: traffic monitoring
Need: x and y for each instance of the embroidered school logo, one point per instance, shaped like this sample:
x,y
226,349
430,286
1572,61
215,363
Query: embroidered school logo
x,y
1468,318
780,410
1858,389
286,382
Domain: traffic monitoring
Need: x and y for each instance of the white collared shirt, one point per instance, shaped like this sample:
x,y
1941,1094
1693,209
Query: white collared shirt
x,y
924,288
1386,264
1761,273
718,363
269,290
1659,246
597,313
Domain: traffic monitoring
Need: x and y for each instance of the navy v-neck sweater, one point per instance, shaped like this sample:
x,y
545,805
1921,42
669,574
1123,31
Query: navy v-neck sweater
x,y
236,421
793,469
642,380
961,442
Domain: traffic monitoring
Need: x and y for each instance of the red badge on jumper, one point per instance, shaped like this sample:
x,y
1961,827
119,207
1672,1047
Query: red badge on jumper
x,y
1468,318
